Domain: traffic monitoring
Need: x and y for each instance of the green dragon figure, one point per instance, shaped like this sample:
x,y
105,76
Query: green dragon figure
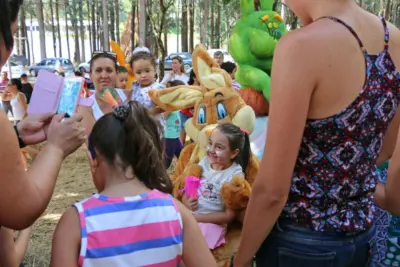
x,y
252,44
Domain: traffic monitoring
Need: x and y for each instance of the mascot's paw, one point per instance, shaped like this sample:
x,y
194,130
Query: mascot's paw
x,y
236,193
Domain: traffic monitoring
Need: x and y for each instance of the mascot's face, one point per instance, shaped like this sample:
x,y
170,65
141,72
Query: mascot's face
x,y
214,101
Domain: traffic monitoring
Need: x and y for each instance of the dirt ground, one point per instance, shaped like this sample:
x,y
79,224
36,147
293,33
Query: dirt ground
x,y
74,184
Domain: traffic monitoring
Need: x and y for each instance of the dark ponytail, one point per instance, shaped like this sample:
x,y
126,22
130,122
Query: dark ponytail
x,y
132,136
9,13
238,139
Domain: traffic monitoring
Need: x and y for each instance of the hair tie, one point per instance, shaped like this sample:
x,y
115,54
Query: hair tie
x,y
141,49
122,111
244,131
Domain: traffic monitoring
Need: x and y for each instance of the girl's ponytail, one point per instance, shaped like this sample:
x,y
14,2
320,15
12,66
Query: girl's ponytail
x,y
245,153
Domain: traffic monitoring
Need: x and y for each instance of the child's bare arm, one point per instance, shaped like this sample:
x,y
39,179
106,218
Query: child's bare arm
x,y
66,241
195,249
12,252
220,218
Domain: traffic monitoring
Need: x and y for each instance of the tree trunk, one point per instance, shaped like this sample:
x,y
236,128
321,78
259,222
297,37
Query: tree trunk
x,y
89,25
42,30
74,21
133,25
66,27
58,27
205,22
111,14
177,27
32,50
116,5
217,37
24,33
82,31
100,39
387,9
17,42
142,22
191,30
94,36
184,29
53,28
105,27
165,35
212,25
227,25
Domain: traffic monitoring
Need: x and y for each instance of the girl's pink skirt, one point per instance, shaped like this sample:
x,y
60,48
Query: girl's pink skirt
x,y
214,234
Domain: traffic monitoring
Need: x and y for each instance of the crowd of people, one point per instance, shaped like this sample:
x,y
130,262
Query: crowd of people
x,y
333,120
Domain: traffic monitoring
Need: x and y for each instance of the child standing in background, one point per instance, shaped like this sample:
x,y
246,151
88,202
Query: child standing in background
x,y
172,144
133,220
122,77
231,68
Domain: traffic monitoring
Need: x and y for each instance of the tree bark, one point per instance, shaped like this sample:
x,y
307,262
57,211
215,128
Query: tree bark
x,y
217,37
205,22
89,25
53,28
32,51
42,30
100,39
184,29
66,27
24,33
74,21
117,33
142,22
105,27
82,31
191,30
93,17
58,28
111,14
212,25
165,35
133,25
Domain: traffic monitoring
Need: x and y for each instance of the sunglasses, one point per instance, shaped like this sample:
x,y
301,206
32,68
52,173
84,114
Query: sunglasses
x,y
112,54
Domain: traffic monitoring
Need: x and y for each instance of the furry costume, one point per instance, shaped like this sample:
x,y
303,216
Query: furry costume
x,y
214,101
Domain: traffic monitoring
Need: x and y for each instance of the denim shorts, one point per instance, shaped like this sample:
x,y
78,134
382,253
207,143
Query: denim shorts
x,y
289,245
184,118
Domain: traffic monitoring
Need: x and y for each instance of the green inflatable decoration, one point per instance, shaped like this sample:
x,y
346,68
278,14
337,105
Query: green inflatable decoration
x,y
252,44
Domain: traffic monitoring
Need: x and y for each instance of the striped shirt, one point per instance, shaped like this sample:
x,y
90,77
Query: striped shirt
x,y
145,230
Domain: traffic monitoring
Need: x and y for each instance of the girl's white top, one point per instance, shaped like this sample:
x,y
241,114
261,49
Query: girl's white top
x,y
183,77
210,199
18,107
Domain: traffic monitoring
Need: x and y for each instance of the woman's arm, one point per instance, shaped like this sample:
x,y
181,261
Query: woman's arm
x,y
25,195
220,218
12,252
389,141
195,249
166,79
292,85
66,240
88,120
22,99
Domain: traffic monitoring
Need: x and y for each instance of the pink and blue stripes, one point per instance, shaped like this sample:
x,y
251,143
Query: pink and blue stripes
x,y
145,230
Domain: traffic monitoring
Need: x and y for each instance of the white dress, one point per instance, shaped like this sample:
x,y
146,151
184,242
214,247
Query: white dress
x,y
17,107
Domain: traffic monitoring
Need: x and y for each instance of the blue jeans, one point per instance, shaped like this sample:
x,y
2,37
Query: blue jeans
x,y
293,246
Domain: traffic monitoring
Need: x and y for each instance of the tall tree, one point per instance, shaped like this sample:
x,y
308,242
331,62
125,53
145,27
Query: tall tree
x,y
203,34
24,33
89,25
184,28
217,38
67,8
74,21
142,22
157,23
106,38
58,27
212,24
94,36
133,24
191,30
31,36
53,28
111,12
42,30
82,31
117,33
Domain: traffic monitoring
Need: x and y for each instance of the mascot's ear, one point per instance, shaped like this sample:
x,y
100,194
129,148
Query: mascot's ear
x,y
117,50
267,5
177,98
209,74
247,7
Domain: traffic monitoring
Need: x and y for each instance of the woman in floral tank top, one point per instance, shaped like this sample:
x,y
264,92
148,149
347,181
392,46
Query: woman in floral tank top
x,y
336,92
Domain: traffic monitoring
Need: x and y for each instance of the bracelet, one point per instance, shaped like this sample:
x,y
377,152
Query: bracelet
x,y
20,141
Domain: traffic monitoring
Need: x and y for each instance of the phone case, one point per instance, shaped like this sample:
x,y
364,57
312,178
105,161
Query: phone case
x,y
70,96
46,93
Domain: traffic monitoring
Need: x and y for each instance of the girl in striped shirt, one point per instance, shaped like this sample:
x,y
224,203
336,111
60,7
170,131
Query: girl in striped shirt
x,y
133,221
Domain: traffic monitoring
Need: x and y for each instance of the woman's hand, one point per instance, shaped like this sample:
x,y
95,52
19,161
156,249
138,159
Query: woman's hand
x,y
33,129
190,203
66,135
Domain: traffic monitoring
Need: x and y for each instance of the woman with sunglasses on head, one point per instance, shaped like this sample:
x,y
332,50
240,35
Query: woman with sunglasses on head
x,y
24,195
177,73
103,73
18,99
333,117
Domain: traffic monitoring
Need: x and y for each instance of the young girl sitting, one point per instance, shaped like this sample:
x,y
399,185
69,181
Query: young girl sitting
x,y
228,155
133,221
